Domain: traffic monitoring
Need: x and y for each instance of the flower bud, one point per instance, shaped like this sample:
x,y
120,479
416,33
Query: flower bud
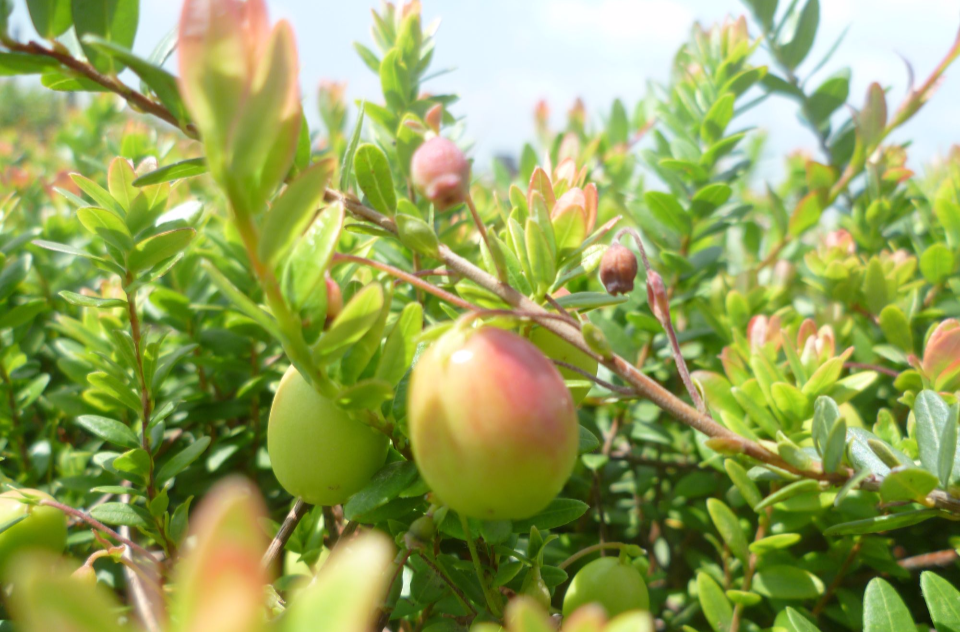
x,y
657,296
441,173
941,357
618,269
334,299
434,118
841,240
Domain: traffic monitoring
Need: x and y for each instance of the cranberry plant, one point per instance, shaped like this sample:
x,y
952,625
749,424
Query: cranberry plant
x,y
619,384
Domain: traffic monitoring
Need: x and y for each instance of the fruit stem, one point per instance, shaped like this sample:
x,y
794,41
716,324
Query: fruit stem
x,y
603,546
493,603
412,279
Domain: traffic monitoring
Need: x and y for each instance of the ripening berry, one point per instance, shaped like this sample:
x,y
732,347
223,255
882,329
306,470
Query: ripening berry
x,y
609,582
334,299
319,452
43,528
492,426
441,172
618,269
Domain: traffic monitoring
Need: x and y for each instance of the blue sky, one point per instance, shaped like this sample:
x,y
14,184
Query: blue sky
x,y
510,53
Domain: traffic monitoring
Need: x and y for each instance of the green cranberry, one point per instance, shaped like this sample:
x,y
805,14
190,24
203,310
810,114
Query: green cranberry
x,y
319,452
616,585
43,528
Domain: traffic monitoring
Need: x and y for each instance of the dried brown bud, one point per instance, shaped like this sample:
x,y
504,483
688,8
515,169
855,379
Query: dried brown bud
x,y
618,269
441,172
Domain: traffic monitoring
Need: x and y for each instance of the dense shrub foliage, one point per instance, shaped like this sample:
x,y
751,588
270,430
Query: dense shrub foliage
x,y
257,375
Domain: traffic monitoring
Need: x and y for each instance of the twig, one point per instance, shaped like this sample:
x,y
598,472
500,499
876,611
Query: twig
x,y
929,560
449,582
96,524
838,579
492,605
751,569
136,100
412,279
591,549
623,390
871,367
660,305
290,523
501,273
557,306
145,596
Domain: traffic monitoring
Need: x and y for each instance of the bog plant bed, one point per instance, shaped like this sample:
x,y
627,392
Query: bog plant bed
x,y
259,374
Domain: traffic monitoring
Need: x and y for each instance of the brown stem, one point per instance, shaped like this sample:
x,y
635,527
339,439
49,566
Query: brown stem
x,y
623,390
15,417
136,100
96,524
449,582
838,579
501,273
751,569
603,546
412,279
871,367
290,523
929,560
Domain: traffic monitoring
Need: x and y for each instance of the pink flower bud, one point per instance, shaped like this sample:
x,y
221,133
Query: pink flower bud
x,y
441,173
657,296
941,357
334,300
618,269
434,117
762,331
841,240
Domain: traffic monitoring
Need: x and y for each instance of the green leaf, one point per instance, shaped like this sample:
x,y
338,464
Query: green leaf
x,y
710,198
241,300
748,489
107,225
365,395
51,18
883,610
828,97
806,214
774,543
12,64
175,171
872,119
787,582
931,414
303,274
824,377
668,211
542,262
559,512
943,602
729,527
293,210
717,118
801,37
373,175
588,441
182,459
66,249
21,314
896,327
135,461
357,317
161,247
799,622
82,300
947,458
589,300
417,235
714,603
879,524
395,80
109,430
122,514
116,389
113,20
907,484
804,486
385,486
401,345
346,165
161,82
937,263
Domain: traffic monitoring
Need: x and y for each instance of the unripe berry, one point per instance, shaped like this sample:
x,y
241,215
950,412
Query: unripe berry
x,y
618,269
43,527
441,172
609,582
334,299
492,426
319,452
